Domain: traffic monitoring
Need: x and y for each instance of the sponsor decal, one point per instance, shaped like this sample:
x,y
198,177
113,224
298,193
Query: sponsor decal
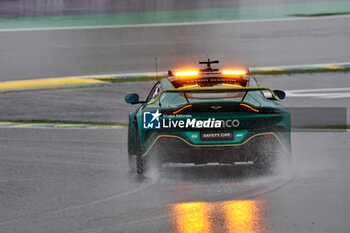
x,y
152,120
210,123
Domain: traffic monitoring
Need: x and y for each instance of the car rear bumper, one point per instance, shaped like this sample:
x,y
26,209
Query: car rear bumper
x,y
176,149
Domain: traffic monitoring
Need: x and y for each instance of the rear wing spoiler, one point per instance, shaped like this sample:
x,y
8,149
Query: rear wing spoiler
x,y
215,89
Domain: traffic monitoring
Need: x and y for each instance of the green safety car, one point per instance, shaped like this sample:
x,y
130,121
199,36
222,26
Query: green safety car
x,y
208,115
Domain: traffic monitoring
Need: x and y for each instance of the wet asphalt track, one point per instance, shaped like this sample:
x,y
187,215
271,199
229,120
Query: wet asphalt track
x,y
42,54
77,180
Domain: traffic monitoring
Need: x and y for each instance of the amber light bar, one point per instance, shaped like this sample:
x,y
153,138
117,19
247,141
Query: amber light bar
x,y
181,109
250,107
234,72
187,73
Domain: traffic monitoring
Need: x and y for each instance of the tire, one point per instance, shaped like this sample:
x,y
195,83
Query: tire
x,y
136,162
149,162
131,158
140,162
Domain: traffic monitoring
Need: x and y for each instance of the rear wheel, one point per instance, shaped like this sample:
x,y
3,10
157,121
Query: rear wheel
x,y
131,157
140,162
149,162
136,162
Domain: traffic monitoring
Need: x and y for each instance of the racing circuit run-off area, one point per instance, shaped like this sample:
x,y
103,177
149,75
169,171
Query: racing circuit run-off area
x,y
174,116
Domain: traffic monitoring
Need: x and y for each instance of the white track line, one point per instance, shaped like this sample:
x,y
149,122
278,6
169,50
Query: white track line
x,y
177,24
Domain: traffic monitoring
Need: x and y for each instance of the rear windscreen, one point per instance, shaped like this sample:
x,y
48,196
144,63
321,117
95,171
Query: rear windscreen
x,y
209,82
214,95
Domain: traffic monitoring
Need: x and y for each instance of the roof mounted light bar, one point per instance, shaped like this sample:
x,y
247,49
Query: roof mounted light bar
x,y
234,72
209,70
187,73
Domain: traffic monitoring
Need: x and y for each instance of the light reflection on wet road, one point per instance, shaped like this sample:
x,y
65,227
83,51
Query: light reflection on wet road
x,y
228,216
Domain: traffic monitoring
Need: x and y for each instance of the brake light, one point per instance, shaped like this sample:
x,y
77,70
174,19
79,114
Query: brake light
x,y
250,107
181,109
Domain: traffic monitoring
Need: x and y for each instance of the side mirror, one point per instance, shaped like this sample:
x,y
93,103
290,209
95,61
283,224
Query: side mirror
x,y
132,98
280,94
